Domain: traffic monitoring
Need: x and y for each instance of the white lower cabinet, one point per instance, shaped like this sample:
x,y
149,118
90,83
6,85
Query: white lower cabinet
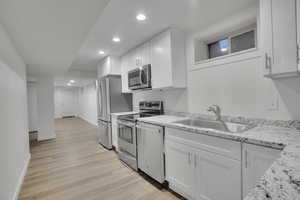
x,y
201,174
180,169
217,177
256,160
202,167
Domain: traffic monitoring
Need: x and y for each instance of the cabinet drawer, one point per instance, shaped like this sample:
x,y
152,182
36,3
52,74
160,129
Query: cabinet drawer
x,y
224,147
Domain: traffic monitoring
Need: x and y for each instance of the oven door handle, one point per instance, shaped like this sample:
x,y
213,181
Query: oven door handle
x,y
151,129
140,75
126,124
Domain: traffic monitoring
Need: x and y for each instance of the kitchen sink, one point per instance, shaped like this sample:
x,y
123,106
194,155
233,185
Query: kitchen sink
x,y
216,125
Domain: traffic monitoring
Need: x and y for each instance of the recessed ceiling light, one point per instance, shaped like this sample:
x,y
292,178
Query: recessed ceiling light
x,y
141,17
69,84
116,39
101,52
72,81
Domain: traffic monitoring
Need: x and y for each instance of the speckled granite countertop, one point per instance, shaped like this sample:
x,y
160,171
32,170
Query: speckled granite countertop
x,y
282,180
161,120
125,113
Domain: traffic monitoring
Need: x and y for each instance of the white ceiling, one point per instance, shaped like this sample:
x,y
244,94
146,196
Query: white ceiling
x,y
49,33
81,78
79,82
54,36
118,18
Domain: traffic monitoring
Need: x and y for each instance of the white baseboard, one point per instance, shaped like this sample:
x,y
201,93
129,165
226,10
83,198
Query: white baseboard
x,y
21,178
42,138
89,121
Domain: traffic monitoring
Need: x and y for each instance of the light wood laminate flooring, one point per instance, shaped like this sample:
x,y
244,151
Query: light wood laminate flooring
x,y
74,167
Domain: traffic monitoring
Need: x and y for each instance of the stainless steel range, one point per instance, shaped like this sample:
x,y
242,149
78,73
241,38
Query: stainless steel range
x,y
127,139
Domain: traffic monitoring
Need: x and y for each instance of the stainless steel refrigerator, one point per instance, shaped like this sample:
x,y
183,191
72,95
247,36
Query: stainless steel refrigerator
x,y
110,100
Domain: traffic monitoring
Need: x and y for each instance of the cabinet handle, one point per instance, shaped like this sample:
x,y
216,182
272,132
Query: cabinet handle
x,y
298,49
189,158
246,159
267,61
195,161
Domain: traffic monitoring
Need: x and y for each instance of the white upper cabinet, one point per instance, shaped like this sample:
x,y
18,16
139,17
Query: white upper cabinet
x,y
127,64
279,37
167,56
143,55
110,65
135,58
256,160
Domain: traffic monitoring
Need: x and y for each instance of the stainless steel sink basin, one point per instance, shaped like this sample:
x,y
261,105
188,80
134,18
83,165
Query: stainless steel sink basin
x,y
217,125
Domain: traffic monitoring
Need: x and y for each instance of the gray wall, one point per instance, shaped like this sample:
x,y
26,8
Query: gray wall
x,y
14,140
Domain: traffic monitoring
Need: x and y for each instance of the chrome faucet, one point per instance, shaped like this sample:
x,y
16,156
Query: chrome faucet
x,y
216,110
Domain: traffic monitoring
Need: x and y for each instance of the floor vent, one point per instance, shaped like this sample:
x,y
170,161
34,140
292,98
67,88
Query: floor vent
x,y
33,135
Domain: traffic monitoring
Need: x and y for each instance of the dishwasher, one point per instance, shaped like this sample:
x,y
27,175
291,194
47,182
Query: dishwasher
x,y
150,146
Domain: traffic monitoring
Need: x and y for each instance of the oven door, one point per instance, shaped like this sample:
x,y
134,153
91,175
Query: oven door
x,y
127,138
134,79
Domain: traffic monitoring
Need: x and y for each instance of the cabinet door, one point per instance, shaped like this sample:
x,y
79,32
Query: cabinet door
x,y
128,63
218,177
142,55
145,54
180,171
161,66
141,159
298,31
256,160
124,75
266,34
284,25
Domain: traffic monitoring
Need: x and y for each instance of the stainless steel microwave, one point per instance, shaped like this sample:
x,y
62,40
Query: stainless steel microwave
x,y
140,78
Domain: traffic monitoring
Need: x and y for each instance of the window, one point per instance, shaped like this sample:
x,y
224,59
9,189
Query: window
x,y
219,48
243,42
232,44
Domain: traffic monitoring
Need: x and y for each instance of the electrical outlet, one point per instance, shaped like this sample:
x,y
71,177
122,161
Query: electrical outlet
x,y
274,103
272,97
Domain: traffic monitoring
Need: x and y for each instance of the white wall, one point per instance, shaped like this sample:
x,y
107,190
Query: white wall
x,y
66,101
88,103
32,107
14,139
45,107
238,87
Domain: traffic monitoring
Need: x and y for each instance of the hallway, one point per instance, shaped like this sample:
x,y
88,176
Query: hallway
x,y
74,166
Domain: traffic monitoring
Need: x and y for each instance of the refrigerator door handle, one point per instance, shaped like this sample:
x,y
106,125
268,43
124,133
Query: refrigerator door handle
x,y
107,114
99,100
104,94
